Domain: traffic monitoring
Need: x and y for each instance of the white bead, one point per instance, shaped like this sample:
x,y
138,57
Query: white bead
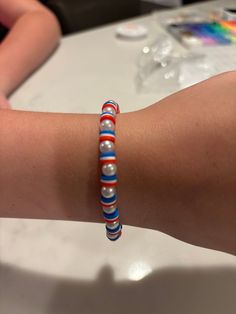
x,y
109,169
109,210
107,125
109,109
106,146
108,191
113,225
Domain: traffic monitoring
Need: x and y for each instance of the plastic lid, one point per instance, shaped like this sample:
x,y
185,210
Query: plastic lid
x,y
131,31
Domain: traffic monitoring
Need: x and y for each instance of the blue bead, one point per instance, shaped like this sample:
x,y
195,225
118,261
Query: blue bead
x,y
108,178
107,132
114,239
110,102
111,216
108,200
112,231
107,154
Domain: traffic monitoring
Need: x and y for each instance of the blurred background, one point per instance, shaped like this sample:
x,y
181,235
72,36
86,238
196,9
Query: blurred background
x,y
154,48
76,15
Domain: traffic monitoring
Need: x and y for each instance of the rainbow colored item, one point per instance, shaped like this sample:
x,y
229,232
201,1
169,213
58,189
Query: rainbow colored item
x,y
108,177
206,33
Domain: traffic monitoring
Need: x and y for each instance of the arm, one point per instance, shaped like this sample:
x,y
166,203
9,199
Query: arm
x,y
34,34
176,163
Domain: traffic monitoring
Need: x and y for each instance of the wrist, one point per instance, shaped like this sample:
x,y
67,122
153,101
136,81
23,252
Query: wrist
x,y
78,170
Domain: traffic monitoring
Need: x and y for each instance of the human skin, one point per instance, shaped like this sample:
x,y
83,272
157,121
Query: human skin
x,y
176,165
34,34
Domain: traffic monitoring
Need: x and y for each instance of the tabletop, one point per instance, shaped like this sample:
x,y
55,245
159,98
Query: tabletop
x,y
70,267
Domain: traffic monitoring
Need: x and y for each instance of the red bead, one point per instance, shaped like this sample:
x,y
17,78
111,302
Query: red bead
x,y
108,117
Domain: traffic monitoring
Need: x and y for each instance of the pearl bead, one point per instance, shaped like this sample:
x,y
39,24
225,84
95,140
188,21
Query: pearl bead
x,y
113,225
109,210
109,169
107,125
109,109
106,146
108,191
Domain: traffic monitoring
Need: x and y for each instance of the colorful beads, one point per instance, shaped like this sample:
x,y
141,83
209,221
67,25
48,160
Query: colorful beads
x,y
108,180
107,116
107,157
107,135
112,104
108,177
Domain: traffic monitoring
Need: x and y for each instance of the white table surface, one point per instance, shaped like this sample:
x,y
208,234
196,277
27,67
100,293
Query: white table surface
x,y
70,267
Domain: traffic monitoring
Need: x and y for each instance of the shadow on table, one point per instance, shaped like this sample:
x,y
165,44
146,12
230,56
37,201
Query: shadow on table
x,y
166,291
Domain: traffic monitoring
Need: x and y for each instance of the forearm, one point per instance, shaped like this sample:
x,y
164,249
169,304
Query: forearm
x,y
176,165
48,166
30,41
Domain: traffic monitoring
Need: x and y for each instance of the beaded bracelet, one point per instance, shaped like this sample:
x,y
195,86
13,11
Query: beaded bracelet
x,y
109,169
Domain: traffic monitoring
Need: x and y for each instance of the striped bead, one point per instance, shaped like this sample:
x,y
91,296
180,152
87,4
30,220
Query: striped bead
x,y
107,136
110,220
108,201
107,116
107,157
113,216
113,230
113,237
111,101
108,180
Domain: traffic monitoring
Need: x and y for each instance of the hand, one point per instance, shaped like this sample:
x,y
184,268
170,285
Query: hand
x,y
4,103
